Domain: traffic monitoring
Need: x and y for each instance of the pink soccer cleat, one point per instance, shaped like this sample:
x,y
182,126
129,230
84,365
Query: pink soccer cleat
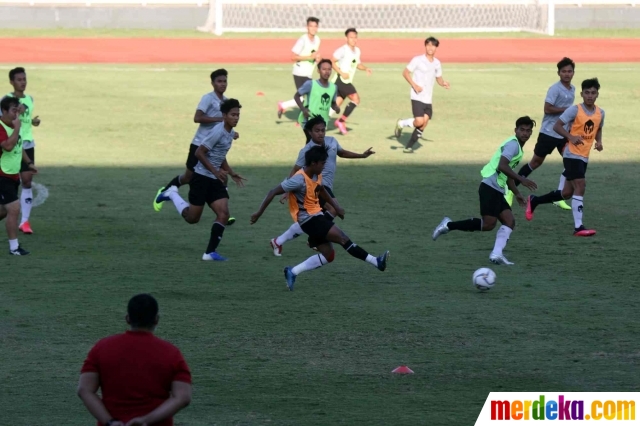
x,y
341,126
25,228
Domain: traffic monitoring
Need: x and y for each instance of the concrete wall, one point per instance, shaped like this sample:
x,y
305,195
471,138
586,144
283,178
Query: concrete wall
x,y
154,17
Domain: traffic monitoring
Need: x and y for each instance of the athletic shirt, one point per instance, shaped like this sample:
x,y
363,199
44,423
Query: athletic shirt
x,y
10,161
424,75
26,128
219,142
329,171
305,47
210,105
348,61
579,121
303,196
319,99
561,97
512,151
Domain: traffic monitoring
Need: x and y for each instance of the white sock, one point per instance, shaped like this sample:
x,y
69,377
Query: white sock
x,y
562,181
372,260
26,198
576,208
13,244
406,123
502,236
294,231
291,103
178,202
314,262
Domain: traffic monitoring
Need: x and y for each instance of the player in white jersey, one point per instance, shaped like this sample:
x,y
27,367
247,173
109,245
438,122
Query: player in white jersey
x,y
426,70
305,56
346,60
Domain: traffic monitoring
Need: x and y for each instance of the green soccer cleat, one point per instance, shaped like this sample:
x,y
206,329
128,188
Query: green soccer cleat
x,y
231,221
509,197
562,204
157,205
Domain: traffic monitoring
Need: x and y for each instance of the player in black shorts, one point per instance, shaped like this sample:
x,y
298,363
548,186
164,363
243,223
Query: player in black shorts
x,y
305,189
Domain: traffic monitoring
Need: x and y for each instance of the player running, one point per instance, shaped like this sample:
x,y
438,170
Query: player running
x,y
426,70
316,128
346,60
497,176
319,96
305,188
209,182
581,125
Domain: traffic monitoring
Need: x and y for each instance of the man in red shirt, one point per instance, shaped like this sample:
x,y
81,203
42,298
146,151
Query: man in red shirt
x,y
144,380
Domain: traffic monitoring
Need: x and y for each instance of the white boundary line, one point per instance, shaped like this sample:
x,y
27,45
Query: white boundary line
x,y
42,193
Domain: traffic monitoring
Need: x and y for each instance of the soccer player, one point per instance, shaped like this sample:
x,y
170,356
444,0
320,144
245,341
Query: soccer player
x,y
209,182
18,79
581,125
346,60
497,176
12,155
560,96
426,70
319,96
304,56
208,115
304,188
316,128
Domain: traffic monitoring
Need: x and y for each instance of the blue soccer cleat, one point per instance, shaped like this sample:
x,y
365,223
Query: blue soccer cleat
x,y
290,277
162,196
382,260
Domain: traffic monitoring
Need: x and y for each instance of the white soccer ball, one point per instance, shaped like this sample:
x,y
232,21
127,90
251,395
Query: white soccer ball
x,y
484,279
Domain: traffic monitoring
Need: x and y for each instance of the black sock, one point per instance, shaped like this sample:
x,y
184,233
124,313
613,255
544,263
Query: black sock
x,y
468,225
348,110
525,171
216,235
328,216
417,134
174,182
355,250
551,197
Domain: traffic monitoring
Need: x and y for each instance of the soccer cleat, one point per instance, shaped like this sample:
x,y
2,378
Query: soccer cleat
x,y
528,213
398,130
25,228
18,252
408,150
163,195
562,204
157,206
509,197
584,232
499,259
214,256
441,228
231,221
341,126
280,110
290,277
382,260
277,250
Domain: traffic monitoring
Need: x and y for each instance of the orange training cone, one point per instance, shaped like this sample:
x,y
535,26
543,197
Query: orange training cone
x,y
260,94
403,369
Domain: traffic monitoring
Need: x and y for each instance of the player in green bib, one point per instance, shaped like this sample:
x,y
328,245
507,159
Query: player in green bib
x,y
497,178
319,96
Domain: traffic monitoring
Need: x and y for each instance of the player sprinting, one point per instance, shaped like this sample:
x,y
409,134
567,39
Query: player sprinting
x,y
426,70
12,155
497,176
560,96
305,189
346,60
319,96
305,54
18,79
209,182
316,128
582,126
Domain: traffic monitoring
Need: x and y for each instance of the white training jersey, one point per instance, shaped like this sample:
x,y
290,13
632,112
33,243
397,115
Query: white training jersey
x,y
305,47
348,61
424,75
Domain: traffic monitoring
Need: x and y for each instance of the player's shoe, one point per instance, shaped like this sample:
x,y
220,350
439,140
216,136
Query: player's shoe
x,y
18,252
25,228
290,277
528,213
280,110
214,256
398,130
163,196
341,126
509,197
231,221
157,206
382,260
408,150
277,250
562,204
584,232
441,228
499,259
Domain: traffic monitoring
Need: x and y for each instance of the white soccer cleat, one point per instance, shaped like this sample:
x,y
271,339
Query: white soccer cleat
x,y
277,250
397,131
499,259
441,228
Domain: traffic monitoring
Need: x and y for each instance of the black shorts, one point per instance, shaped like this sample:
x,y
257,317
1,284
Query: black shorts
x,y
322,202
192,161
574,168
345,89
492,201
546,144
205,190
299,81
31,153
8,190
421,109
317,229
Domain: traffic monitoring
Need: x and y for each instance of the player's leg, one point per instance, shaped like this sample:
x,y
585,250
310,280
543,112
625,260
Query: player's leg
x,y
179,180
577,202
335,235
571,172
420,123
11,206
325,255
191,211
561,182
221,208
291,103
339,101
502,236
354,98
417,111
26,197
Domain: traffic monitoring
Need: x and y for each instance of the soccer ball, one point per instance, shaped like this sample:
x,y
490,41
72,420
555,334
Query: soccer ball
x,y
484,279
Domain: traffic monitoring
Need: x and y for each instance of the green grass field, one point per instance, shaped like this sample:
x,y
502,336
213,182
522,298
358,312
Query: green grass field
x,y
564,318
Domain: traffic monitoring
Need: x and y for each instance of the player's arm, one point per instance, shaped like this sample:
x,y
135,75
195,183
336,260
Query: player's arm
x,y
363,67
238,179
334,104
179,398
202,118
407,76
599,146
297,49
87,392
201,155
512,186
552,109
442,82
326,197
559,129
503,167
265,203
343,153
